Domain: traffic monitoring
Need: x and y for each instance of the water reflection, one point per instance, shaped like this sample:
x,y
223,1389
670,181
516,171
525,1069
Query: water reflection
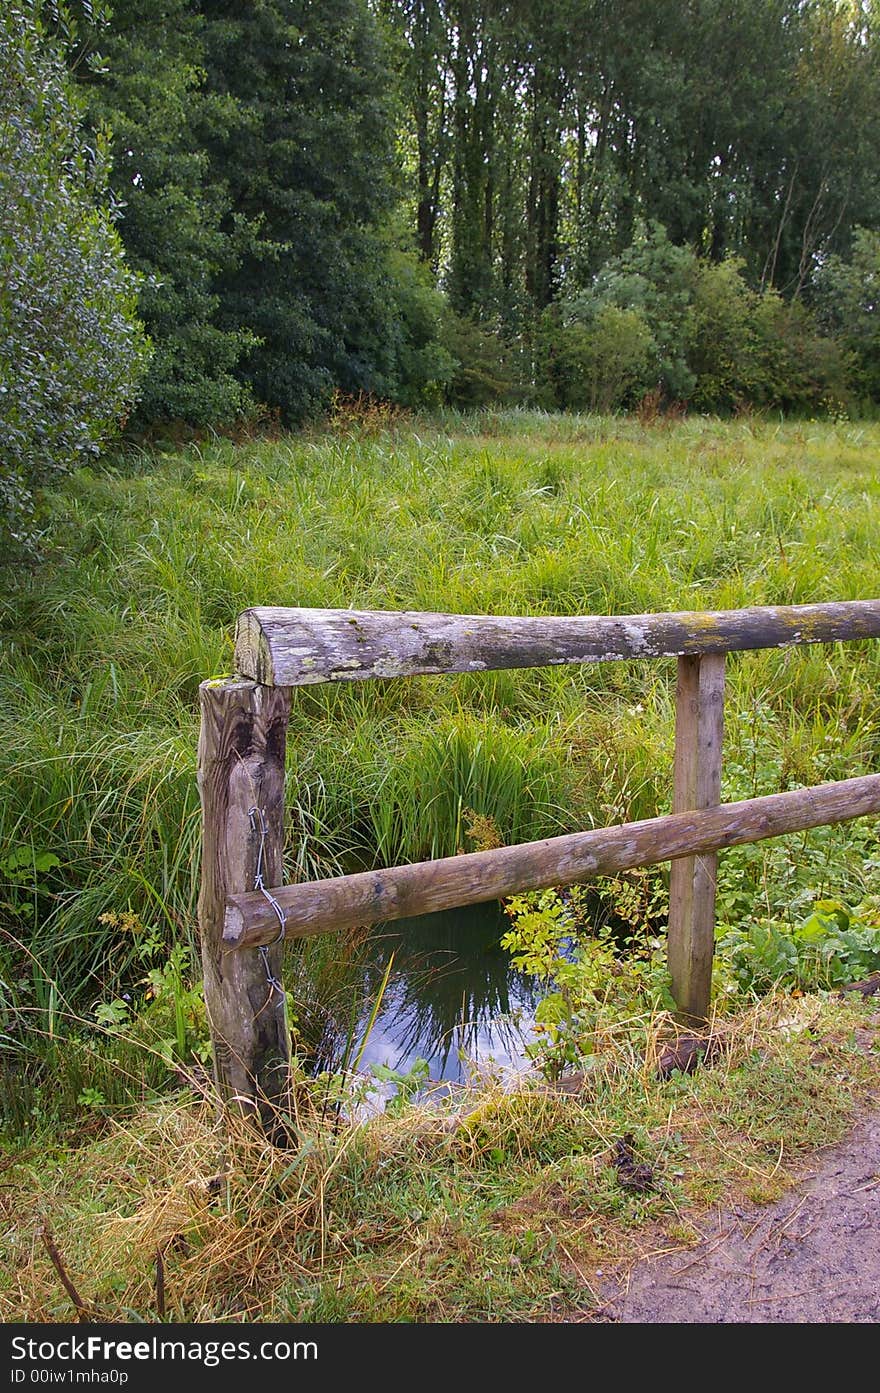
x,y
451,998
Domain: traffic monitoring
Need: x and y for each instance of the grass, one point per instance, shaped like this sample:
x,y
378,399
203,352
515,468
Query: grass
x,y
102,648
502,1207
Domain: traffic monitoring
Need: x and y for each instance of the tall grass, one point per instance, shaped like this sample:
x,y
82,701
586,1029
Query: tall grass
x,y
148,564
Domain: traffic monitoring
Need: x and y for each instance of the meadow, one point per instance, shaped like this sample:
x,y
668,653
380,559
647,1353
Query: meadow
x,y
147,563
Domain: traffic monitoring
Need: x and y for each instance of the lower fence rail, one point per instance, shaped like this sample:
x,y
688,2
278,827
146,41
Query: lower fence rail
x,y
423,887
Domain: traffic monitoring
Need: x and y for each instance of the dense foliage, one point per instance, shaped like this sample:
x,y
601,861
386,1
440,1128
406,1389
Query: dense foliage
x,y
573,204
307,166
605,982
849,302
71,349
660,318
253,148
150,93
422,201
544,141
542,133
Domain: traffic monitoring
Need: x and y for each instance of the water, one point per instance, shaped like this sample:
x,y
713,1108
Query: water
x,y
452,997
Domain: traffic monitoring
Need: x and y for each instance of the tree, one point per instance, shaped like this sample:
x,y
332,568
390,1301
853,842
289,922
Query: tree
x,y
308,164
421,29
656,278
828,180
150,93
848,298
540,137
601,365
71,349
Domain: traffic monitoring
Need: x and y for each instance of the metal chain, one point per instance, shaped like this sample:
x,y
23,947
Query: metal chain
x,y
263,950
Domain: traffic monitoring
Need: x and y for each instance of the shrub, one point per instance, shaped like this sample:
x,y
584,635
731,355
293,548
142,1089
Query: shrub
x,y
833,945
746,347
655,278
801,368
410,364
482,372
71,349
848,299
596,990
623,335
603,365
660,322
720,340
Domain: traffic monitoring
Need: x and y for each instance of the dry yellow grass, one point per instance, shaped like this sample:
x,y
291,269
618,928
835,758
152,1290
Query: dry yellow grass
x,y
498,1205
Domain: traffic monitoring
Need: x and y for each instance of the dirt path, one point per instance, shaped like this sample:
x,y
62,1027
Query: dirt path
x,y
814,1256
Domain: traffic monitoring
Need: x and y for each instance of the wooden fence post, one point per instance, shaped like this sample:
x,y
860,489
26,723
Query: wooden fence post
x,y
699,724
242,747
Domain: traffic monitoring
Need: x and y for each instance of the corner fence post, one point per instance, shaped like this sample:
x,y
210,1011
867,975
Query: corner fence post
x,y
242,745
699,725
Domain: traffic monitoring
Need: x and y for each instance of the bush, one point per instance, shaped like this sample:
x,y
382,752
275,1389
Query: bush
x,y
848,299
601,366
424,367
719,338
660,320
833,946
623,335
655,278
483,373
404,358
802,369
750,348
71,349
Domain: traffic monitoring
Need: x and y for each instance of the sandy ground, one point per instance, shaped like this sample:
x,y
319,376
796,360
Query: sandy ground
x,y
812,1257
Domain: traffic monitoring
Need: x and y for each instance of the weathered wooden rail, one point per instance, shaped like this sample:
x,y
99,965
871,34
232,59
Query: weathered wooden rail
x,y
243,904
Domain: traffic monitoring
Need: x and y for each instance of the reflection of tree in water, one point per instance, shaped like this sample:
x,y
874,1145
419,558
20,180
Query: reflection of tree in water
x,y
451,995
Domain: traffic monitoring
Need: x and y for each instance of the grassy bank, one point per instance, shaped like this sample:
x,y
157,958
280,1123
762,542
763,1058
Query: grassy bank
x,y
497,1207
149,563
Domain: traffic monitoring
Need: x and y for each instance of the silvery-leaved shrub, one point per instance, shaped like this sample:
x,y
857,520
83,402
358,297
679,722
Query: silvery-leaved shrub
x,y
72,351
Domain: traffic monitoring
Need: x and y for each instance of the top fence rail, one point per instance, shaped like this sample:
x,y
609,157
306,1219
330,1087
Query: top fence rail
x,y
280,647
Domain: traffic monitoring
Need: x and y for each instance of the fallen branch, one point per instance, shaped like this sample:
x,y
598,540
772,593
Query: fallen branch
x,y
83,1312
866,988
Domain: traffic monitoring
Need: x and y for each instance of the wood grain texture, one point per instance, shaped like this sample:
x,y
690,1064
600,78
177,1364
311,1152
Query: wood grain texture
x,y
296,647
699,727
241,766
372,897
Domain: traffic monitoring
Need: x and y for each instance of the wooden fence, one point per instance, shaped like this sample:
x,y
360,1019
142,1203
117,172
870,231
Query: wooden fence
x,y
244,906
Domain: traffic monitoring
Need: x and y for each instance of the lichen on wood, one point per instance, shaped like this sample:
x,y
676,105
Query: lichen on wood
x,y
296,647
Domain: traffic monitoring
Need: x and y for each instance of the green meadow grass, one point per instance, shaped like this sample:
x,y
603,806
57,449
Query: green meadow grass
x,y
149,561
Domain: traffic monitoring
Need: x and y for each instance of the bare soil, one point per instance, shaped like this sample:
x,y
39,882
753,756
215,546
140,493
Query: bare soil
x,y
811,1257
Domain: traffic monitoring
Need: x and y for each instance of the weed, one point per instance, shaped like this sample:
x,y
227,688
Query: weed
x,y
599,991
831,946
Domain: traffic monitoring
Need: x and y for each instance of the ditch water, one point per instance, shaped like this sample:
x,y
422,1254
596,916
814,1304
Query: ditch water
x,y
452,997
